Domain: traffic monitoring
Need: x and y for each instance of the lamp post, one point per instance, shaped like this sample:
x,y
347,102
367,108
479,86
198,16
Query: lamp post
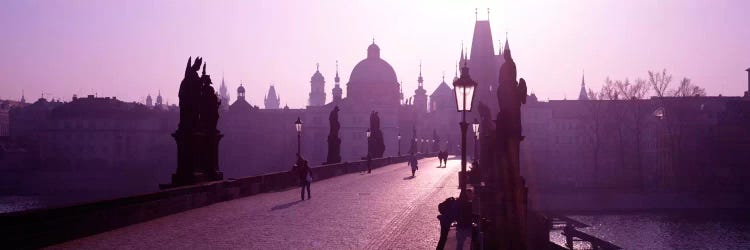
x,y
298,127
475,127
399,143
464,89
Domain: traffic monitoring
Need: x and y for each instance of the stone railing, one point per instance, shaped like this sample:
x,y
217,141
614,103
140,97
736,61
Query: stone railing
x,y
43,227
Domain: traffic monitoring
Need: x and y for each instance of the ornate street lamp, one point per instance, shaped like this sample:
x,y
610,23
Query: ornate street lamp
x,y
464,89
399,143
298,127
475,127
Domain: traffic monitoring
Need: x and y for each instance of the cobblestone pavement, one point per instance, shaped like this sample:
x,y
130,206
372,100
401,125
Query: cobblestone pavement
x,y
384,210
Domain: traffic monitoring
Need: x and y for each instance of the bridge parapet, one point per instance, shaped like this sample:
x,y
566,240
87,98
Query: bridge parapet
x,y
42,227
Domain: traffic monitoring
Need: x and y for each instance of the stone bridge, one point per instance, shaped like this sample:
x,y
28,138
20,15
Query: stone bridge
x,y
386,209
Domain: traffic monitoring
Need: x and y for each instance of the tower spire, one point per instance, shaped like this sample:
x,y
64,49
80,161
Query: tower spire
x,y
582,95
463,57
455,74
420,80
499,47
583,78
507,47
336,79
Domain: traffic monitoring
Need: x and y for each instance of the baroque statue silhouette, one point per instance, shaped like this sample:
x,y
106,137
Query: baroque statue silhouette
x,y
375,142
334,142
196,136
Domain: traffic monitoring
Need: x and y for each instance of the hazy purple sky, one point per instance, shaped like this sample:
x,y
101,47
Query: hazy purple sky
x,y
131,48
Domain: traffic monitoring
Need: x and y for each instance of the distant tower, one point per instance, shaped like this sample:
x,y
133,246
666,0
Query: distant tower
x,y
159,100
272,101
582,95
747,94
455,74
317,88
23,99
401,92
336,92
420,95
224,95
149,101
241,93
462,59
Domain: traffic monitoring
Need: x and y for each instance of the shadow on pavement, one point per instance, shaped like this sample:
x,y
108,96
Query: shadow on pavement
x,y
409,177
287,205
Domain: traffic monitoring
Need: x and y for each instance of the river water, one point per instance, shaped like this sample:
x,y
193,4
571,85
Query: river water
x,y
681,230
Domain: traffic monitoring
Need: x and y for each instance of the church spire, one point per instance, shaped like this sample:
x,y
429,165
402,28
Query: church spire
x,y
463,57
420,80
507,45
582,95
455,74
23,99
337,79
583,79
336,92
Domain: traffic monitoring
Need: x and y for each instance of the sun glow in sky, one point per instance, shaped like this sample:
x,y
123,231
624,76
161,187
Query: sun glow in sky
x,y
129,49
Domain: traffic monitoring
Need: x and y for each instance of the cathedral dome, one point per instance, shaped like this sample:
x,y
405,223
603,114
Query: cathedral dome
x,y
373,70
374,78
240,89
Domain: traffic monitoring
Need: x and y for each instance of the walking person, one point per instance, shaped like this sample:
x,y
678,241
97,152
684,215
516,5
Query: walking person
x,y
413,163
369,163
305,178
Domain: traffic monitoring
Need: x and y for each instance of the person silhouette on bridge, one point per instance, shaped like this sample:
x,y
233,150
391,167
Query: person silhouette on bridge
x,y
369,163
413,163
305,177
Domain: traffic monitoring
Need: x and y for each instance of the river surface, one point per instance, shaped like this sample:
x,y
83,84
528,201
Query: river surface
x,y
13,203
680,230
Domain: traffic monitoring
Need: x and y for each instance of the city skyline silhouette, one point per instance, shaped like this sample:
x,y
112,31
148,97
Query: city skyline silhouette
x,y
131,49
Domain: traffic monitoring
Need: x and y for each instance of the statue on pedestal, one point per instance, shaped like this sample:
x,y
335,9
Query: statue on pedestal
x,y
334,142
376,143
511,94
196,136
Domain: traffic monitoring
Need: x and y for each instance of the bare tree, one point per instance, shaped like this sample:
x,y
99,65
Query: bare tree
x,y
659,81
687,89
632,91
608,91
592,95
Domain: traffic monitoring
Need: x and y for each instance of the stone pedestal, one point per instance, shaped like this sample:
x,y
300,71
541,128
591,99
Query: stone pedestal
x,y
197,158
